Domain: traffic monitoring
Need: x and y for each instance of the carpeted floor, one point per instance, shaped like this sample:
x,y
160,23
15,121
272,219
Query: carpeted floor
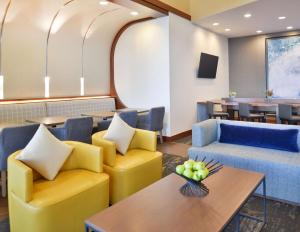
x,y
281,217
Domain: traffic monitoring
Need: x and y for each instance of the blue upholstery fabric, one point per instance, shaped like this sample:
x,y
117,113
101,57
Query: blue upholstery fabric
x,y
285,140
282,168
13,139
130,117
153,120
204,133
75,129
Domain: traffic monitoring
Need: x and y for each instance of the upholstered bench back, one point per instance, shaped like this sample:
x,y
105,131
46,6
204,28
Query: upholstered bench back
x,y
18,113
74,108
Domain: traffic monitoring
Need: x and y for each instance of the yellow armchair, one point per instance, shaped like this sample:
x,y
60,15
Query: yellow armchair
x,y
80,190
138,168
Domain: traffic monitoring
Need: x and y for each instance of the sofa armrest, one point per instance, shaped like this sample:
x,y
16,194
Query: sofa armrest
x,y
144,139
204,133
109,148
20,178
84,156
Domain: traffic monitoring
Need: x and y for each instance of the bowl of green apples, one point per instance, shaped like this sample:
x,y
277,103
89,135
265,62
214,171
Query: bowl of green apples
x,y
195,172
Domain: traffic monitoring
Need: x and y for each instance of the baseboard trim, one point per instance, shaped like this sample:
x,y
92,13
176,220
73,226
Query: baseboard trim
x,y
178,136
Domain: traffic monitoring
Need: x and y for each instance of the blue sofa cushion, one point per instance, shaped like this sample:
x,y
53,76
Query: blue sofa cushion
x,y
285,140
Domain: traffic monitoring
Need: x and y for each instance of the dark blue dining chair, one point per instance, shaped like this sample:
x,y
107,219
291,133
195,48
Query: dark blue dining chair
x,y
75,129
153,120
130,117
13,139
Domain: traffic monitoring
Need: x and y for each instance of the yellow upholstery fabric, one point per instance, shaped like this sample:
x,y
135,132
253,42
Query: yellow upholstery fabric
x,y
79,191
138,168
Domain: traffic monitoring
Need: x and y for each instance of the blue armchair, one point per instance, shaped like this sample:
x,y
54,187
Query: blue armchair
x,y
153,120
130,117
13,139
75,129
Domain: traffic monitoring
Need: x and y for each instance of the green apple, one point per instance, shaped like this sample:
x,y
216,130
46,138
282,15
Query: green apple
x,y
198,165
180,169
206,171
203,173
188,173
196,177
189,164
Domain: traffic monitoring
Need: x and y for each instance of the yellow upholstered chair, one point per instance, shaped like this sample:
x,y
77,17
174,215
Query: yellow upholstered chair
x,y
79,190
138,168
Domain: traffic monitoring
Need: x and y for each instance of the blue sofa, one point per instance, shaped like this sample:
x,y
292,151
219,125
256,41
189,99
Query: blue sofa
x,y
282,168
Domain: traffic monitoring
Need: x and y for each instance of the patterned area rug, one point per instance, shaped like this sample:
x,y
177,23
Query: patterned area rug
x,y
281,217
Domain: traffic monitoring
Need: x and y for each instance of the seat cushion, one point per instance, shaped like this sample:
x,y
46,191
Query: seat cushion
x,y
66,185
134,158
133,172
282,168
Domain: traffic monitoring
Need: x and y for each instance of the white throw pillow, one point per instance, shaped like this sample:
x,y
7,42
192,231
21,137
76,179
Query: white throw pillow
x,y
120,133
45,153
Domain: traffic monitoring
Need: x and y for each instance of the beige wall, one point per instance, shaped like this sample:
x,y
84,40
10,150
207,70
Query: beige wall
x,y
182,5
247,73
24,47
205,8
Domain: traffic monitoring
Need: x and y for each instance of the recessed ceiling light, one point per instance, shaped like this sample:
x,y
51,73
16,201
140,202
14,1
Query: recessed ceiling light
x,y
259,31
134,13
103,3
289,27
216,24
227,29
247,15
281,17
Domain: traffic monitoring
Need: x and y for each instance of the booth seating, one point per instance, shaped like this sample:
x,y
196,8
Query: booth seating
x,y
19,112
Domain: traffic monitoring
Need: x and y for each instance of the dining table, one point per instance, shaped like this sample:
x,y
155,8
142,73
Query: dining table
x,y
49,121
268,107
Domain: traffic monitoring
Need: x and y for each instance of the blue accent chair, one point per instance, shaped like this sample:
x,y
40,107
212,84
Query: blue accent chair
x,y
75,129
153,120
130,117
13,139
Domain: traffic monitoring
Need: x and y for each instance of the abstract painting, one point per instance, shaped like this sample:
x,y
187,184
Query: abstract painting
x,y
283,66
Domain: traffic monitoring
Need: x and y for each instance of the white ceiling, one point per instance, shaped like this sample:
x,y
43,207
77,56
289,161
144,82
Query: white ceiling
x,y
264,13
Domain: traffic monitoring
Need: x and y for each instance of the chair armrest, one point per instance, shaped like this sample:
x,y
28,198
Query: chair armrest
x,y
143,121
20,178
109,148
204,133
144,139
84,156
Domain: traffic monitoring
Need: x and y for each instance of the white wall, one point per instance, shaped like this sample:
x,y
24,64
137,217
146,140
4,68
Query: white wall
x,y
142,66
156,63
187,41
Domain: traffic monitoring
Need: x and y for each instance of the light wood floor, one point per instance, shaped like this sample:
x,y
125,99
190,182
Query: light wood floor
x,y
169,148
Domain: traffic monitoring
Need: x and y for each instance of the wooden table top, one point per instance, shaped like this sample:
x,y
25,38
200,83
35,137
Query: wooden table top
x,y
254,104
139,110
161,208
103,114
49,121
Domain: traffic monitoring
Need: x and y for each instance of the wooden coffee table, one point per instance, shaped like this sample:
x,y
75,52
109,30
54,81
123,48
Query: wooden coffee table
x,y
161,208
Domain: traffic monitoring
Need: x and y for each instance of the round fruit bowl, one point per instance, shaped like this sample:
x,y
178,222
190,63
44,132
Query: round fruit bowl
x,y
195,172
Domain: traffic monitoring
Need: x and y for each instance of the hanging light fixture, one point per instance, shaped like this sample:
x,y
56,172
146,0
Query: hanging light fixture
x,y
82,48
47,77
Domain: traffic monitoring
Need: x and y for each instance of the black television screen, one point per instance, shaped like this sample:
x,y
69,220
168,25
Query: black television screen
x,y
208,66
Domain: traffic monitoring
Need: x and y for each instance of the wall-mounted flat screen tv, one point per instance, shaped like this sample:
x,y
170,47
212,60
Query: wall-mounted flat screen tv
x,y
208,66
